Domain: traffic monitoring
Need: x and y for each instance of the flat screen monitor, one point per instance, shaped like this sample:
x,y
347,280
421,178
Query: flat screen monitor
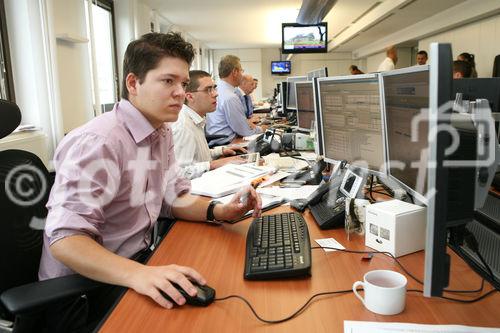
x,y
406,101
305,104
281,67
292,98
320,72
488,88
351,118
299,38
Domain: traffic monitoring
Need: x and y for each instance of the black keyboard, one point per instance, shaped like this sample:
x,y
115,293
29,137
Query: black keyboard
x,y
329,214
278,246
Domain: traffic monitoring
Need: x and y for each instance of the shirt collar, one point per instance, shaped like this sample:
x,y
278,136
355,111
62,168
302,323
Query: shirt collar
x,y
195,117
136,123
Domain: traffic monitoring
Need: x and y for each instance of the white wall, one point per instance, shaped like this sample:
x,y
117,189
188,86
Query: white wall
x,y
481,38
251,62
404,59
73,64
257,62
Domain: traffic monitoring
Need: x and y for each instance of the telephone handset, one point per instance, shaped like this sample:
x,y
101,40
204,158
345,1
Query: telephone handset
x,y
321,193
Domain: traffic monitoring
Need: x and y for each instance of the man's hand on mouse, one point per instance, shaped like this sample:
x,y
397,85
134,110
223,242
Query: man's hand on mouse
x,y
149,280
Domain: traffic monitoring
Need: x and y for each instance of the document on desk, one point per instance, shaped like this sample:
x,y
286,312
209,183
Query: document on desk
x,y
379,327
288,194
227,179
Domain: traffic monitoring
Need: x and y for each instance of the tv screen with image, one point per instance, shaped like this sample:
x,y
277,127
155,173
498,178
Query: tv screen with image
x,y
281,67
299,38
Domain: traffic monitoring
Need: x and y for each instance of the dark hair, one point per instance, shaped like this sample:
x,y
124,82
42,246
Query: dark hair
x,y
194,77
469,57
462,67
423,53
143,54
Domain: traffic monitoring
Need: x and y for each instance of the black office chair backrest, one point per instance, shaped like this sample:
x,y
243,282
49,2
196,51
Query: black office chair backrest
x,y
24,189
10,117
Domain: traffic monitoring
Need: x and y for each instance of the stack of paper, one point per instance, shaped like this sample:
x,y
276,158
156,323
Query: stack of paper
x,y
227,179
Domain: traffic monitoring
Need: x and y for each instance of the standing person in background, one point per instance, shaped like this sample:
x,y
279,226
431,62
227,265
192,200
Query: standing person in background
x,y
421,58
469,57
390,61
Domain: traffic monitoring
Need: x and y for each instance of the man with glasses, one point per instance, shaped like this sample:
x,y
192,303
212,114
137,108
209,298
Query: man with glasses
x,y
191,149
229,118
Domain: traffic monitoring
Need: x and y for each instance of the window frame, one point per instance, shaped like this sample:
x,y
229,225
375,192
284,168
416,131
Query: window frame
x,y
4,43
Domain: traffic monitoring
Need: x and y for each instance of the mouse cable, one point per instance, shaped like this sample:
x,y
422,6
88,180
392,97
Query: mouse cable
x,y
293,315
371,252
400,265
303,307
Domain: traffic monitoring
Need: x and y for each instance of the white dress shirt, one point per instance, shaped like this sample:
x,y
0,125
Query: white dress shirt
x,y
191,148
386,65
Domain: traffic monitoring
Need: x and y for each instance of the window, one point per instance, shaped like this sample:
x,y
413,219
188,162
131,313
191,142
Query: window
x,y
105,74
6,83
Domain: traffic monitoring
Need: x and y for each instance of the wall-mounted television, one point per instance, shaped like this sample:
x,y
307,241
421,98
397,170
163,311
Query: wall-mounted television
x,y
299,38
281,67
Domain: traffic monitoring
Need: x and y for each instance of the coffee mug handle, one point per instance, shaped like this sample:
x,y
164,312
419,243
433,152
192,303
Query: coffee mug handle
x,y
354,289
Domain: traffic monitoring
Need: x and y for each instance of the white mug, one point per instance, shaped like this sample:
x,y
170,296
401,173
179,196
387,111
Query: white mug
x,y
385,291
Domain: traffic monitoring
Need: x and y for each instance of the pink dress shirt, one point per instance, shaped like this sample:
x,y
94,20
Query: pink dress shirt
x,y
114,177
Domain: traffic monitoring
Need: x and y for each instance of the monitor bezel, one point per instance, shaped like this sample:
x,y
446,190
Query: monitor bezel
x,y
354,78
293,51
414,69
293,79
298,115
319,148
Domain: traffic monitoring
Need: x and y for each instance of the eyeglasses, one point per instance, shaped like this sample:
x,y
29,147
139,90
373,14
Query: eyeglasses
x,y
209,90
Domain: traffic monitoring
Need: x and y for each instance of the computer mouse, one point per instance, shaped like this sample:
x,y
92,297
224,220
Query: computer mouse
x,y
205,295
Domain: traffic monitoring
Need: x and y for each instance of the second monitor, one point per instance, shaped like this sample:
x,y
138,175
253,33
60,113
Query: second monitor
x,y
351,118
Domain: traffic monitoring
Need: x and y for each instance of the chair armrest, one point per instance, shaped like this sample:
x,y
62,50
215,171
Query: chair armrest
x,y
30,296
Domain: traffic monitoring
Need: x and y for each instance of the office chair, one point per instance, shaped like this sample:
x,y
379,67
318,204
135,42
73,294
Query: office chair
x,y
24,189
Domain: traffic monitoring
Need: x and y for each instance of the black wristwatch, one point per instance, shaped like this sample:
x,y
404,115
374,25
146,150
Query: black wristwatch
x,y
210,212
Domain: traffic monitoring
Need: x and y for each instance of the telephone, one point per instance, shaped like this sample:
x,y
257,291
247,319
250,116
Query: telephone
x,y
265,143
309,177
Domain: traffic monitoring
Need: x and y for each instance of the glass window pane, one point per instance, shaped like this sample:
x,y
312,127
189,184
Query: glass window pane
x,y
104,55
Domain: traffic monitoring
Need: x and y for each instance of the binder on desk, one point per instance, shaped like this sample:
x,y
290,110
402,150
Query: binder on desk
x,y
227,179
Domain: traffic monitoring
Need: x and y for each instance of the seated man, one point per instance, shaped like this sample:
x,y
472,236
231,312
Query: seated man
x,y
191,148
247,85
116,175
229,117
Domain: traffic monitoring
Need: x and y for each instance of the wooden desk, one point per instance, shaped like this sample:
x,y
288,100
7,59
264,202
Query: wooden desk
x,y
219,254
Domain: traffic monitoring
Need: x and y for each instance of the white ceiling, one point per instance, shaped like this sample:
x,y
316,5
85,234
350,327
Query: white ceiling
x,y
221,24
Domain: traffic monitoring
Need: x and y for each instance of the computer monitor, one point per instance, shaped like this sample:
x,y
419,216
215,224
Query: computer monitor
x,y
283,95
405,101
453,142
488,88
292,98
320,72
305,104
318,134
351,119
